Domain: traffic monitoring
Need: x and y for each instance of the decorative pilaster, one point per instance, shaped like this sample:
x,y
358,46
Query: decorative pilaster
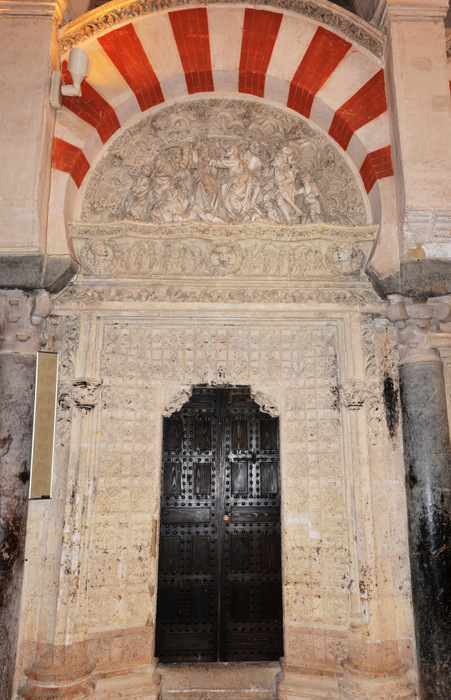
x,y
427,456
21,322
368,673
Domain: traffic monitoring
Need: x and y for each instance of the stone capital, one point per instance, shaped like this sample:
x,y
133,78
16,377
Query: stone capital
x,y
415,10
419,331
353,393
86,392
22,319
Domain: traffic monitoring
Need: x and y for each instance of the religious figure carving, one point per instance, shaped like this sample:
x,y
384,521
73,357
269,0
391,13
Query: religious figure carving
x,y
222,161
312,201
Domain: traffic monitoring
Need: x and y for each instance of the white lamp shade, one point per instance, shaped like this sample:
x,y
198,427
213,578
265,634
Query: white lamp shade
x,y
78,65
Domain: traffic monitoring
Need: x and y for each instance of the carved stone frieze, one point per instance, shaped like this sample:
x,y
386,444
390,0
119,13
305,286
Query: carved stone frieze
x,y
93,295
223,161
22,319
321,252
331,15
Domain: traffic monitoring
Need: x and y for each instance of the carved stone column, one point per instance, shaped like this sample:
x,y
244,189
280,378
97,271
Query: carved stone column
x,y
21,321
427,456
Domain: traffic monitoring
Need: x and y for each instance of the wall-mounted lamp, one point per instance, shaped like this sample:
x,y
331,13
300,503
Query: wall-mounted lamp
x,y
78,67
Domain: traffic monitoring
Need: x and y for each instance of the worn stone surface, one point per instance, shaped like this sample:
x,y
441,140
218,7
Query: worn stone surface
x,y
17,377
419,279
32,272
224,681
428,483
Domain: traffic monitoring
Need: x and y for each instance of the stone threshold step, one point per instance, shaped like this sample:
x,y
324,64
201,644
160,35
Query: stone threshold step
x,y
219,681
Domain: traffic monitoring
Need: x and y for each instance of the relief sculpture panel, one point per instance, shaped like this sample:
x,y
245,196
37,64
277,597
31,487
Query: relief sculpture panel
x,y
223,161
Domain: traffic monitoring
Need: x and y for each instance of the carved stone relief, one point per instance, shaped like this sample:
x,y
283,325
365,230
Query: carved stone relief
x,y
314,252
292,367
223,161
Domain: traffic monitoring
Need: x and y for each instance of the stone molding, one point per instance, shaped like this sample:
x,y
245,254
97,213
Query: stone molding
x,y
360,684
334,17
60,672
30,8
22,319
415,10
419,333
94,294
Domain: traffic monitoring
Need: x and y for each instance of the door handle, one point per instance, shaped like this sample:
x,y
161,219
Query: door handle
x,y
226,517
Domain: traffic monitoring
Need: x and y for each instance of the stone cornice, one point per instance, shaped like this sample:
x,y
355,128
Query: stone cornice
x,y
110,14
30,8
415,10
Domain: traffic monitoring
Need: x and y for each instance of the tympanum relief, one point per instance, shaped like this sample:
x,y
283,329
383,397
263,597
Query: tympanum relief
x,y
223,161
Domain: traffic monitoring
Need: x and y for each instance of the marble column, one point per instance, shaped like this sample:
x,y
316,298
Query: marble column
x,y
21,320
427,456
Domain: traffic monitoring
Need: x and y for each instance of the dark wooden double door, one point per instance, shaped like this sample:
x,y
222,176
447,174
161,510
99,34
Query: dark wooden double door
x,y
219,580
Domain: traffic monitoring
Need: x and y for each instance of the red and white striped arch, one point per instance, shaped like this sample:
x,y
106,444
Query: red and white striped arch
x,y
225,49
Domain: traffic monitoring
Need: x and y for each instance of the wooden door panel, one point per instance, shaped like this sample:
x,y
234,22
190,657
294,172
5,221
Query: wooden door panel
x,y
219,595
172,478
240,477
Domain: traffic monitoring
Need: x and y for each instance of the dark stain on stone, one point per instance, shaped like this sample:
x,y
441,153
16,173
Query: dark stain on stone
x,y
391,403
5,444
24,475
411,479
12,536
335,391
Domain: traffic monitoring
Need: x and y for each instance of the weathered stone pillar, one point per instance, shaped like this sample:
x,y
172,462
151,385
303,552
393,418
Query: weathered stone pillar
x,y
427,456
417,86
21,320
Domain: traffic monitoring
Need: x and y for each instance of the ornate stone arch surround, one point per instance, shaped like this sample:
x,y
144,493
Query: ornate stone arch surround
x,y
218,48
281,306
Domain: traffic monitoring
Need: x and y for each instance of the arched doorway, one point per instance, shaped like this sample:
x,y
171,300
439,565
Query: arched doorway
x,y
219,582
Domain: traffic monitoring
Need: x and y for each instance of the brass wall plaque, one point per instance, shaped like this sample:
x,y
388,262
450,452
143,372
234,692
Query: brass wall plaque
x,y
44,425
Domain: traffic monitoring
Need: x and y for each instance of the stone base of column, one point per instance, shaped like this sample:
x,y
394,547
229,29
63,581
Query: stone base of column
x,y
61,672
306,684
143,683
363,684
